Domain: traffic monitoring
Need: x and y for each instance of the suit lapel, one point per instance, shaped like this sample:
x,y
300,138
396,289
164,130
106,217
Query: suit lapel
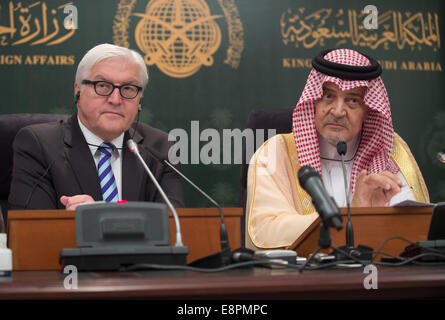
x,y
132,171
81,160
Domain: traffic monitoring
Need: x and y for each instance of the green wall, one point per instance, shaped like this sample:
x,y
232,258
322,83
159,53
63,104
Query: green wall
x,y
267,49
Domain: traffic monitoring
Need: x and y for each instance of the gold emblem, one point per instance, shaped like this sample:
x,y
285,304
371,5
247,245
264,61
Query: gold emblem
x,y
415,187
295,159
180,36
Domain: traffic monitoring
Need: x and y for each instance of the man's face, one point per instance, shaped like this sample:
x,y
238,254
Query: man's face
x,y
109,116
339,115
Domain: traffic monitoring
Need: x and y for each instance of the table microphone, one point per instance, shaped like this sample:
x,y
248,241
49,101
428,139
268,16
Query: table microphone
x,y
223,231
361,252
341,149
324,204
134,149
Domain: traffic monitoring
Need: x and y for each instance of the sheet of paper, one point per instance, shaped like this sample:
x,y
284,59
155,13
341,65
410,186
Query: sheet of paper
x,y
412,203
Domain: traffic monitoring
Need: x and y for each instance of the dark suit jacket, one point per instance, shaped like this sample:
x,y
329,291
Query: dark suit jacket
x,y
53,159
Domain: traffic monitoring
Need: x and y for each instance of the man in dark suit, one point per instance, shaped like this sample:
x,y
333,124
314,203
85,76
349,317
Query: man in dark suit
x,y
85,158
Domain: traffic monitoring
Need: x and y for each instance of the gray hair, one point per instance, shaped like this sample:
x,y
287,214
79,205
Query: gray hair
x,y
105,51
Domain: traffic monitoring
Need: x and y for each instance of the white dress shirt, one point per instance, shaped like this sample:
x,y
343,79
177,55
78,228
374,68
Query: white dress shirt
x,y
116,156
332,173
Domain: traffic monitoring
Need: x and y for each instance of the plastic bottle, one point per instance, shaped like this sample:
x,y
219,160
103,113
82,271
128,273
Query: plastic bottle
x,y
5,253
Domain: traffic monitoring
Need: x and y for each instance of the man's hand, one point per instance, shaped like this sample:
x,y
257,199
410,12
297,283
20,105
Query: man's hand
x,y
71,203
375,189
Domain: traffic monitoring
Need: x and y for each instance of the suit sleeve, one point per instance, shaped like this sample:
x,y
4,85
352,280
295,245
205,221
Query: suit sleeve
x,y
31,186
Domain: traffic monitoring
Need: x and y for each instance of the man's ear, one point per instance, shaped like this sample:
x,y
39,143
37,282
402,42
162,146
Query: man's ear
x,y
76,99
77,93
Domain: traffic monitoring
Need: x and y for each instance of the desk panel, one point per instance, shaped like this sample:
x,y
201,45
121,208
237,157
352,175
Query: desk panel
x,y
36,237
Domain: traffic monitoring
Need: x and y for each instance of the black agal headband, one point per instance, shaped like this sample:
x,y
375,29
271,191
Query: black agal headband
x,y
345,71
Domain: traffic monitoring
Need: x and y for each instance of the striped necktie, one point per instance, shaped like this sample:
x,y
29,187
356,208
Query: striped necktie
x,y
106,176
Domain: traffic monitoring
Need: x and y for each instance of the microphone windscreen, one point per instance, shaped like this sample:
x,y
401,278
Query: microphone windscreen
x,y
341,148
132,145
305,173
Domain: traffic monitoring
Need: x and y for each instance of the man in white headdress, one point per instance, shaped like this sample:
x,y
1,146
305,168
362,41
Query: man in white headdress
x,y
344,100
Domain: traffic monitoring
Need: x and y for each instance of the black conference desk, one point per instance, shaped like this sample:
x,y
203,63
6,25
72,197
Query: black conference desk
x,y
408,282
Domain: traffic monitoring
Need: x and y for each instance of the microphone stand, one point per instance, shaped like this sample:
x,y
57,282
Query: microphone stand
x,y
324,242
134,148
223,258
225,248
349,229
349,251
329,214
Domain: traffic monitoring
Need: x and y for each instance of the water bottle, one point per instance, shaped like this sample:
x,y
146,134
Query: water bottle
x,y
3,238
5,253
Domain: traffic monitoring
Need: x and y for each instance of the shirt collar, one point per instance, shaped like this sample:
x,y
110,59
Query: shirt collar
x,y
94,141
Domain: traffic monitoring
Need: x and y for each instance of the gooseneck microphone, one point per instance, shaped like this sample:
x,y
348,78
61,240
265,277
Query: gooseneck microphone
x,y
223,229
341,150
134,149
349,251
324,204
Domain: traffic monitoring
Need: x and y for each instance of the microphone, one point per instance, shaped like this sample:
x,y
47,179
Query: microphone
x,y
341,150
224,238
134,149
346,252
324,204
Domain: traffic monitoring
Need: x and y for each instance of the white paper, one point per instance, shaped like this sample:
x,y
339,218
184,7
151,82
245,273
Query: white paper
x,y
412,203
3,240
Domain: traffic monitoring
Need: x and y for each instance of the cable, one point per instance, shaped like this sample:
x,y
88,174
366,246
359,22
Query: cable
x,y
389,255
412,259
105,147
145,266
306,265
335,264
310,258
432,252
348,255
150,266
385,241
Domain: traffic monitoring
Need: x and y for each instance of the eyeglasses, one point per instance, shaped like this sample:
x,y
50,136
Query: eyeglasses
x,y
105,88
